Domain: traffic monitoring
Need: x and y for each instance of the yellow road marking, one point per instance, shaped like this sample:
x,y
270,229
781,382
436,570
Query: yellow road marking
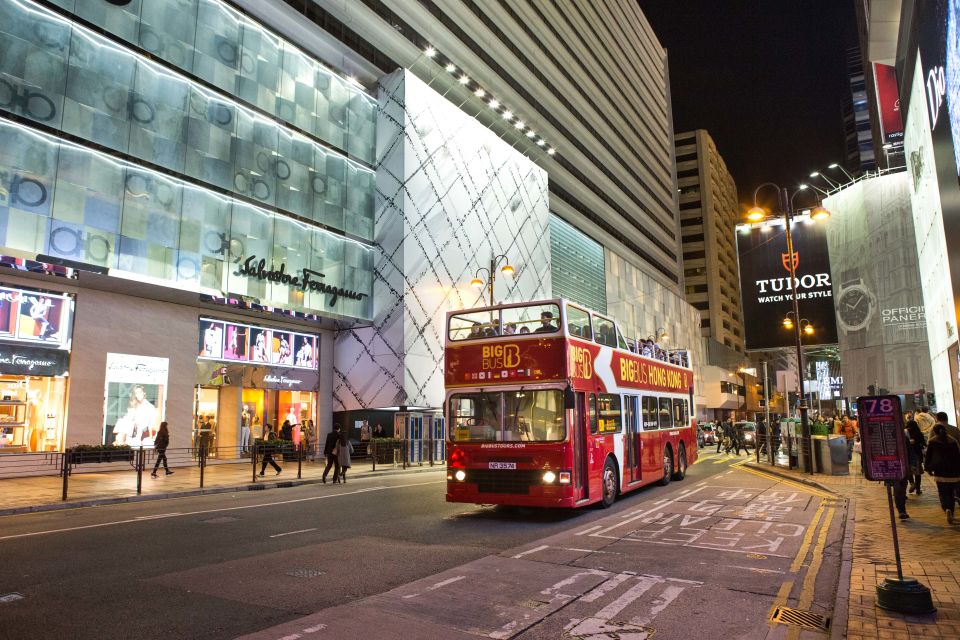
x,y
810,580
790,483
807,539
780,600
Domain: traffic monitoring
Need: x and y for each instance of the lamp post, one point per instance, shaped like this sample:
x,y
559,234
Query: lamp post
x,y
836,165
506,269
757,214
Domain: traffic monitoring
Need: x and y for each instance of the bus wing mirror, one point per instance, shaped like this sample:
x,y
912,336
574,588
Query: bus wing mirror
x,y
569,399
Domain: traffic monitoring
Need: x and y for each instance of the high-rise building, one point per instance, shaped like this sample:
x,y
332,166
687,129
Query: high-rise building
x,y
857,129
709,211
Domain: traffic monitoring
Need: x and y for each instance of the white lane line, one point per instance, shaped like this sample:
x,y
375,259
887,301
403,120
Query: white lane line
x,y
605,587
616,553
158,516
668,595
220,510
290,533
529,551
434,587
588,530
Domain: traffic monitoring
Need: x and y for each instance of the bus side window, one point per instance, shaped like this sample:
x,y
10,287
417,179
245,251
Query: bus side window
x,y
650,414
593,413
679,413
666,413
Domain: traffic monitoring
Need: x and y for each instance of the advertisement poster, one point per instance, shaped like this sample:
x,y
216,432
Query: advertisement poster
x,y
134,399
888,99
877,290
35,317
766,288
229,341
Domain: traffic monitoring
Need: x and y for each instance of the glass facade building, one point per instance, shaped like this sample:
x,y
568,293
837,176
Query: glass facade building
x,y
137,139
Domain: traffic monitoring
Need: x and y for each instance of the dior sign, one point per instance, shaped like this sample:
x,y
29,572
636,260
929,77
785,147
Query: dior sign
x,y
308,280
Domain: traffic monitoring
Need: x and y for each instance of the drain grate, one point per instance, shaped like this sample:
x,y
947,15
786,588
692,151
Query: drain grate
x,y
801,618
305,573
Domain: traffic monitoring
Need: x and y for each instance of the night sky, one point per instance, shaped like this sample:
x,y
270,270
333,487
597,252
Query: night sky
x,y
766,78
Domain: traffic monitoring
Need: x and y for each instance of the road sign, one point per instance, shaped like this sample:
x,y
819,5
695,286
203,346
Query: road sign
x,y
881,432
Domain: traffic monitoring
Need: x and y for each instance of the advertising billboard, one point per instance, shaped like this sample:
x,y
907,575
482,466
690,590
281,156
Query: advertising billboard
x,y
881,317
888,100
765,283
221,340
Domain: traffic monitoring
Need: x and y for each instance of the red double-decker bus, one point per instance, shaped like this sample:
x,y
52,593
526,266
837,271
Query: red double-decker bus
x,y
548,404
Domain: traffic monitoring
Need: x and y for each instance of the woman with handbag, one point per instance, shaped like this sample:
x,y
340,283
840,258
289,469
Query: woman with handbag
x,y
161,442
344,450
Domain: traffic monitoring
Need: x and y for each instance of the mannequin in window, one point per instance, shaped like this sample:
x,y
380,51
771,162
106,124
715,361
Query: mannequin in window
x,y
244,429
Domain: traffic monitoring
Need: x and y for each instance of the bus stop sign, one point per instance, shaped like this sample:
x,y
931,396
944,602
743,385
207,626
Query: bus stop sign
x,y
881,432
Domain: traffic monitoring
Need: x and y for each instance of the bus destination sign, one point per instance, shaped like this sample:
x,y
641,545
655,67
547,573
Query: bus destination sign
x,y
881,432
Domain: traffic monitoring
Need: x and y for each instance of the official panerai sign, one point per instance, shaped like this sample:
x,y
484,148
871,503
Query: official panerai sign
x,y
308,280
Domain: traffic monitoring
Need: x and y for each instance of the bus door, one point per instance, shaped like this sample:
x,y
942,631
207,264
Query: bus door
x,y
632,437
651,454
581,453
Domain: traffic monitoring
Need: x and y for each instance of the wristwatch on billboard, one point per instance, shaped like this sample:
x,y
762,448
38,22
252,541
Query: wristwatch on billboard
x,y
855,306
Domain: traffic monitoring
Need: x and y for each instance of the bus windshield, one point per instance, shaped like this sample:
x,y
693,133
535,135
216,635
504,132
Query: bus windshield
x,y
511,416
536,318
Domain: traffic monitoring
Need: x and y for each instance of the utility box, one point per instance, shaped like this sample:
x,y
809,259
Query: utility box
x,y
830,453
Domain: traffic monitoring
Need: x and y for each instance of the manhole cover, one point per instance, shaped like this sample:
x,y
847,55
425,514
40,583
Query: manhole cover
x,y
220,520
305,573
801,618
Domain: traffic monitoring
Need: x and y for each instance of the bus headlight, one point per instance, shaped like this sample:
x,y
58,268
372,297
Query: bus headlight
x,y
460,475
549,477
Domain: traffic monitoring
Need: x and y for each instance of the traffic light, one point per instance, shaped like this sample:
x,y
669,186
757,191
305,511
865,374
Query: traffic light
x,y
931,399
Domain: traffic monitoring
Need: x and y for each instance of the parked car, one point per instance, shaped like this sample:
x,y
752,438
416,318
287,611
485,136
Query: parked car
x,y
706,433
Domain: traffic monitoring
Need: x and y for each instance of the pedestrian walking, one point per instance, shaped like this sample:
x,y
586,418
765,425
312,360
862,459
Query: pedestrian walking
x,y
952,431
268,450
761,436
848,429
916,443
161,442
738,440
330,450
943,463
344,451
925,421
720,431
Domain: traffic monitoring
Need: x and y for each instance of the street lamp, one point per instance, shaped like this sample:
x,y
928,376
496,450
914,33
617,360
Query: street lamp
x,y
833,184
837,166
757,214
491,274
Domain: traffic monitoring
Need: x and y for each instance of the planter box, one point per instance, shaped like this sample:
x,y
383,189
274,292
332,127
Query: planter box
x,y
91,457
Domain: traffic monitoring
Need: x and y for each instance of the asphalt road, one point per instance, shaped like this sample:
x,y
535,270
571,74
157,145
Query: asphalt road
x,y
386,557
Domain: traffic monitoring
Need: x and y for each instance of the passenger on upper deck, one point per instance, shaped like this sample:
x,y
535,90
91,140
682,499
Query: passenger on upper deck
x,y
510,329
546,323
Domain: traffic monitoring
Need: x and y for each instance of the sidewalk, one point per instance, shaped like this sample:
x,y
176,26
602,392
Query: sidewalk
x,y
929,547
43,493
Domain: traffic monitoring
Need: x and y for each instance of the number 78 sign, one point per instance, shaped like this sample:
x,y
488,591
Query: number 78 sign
x,y
882,442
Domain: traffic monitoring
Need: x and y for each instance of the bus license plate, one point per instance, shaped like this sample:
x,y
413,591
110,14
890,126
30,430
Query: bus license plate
x,y
503,465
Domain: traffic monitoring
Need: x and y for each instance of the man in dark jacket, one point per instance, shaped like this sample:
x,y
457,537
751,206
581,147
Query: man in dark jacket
x,y
330,450
943,463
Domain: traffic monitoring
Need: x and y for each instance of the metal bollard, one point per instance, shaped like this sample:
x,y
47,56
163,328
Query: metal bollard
x,y
65,471
299,460
203,461
403,451
141,457
253,460
373,448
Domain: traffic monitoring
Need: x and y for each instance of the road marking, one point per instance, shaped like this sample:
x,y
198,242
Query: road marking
x,y
605,587
290,533
637,516
219,510
790,483
529,551
807,538
588,530
780,600
10,597
808,590
158,516
670,594
436,586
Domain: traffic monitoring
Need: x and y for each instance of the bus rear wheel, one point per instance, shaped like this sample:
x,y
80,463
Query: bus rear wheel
x,y
610,486
667,468
681,471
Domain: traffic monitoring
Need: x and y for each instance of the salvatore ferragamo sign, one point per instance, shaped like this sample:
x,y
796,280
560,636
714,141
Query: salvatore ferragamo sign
x,y
307,280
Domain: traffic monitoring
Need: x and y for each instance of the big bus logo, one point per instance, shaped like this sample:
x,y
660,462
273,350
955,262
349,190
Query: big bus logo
x,y
580,362
500,356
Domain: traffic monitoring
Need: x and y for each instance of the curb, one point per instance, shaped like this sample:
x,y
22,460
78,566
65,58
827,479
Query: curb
x,y
788,476
260,486
841,603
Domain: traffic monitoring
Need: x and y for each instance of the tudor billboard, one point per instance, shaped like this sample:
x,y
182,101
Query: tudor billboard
x,y
765,283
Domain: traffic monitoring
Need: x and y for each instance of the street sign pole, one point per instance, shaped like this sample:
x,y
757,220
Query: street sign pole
x,y
884,457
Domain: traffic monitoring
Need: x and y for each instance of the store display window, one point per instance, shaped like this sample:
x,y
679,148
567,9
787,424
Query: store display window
x,y
135,399
31,413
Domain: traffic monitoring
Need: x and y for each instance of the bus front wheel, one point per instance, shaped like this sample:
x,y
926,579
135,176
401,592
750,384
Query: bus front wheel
x,y
610,484
681,472
667,468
